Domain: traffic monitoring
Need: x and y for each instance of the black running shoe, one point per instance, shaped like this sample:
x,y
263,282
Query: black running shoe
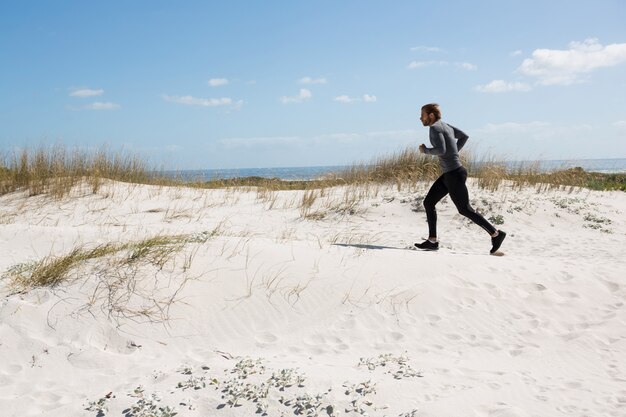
x,y
496,242
427,245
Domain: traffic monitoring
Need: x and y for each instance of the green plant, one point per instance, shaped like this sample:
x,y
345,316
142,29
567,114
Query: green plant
x,y
496,219
100,406
398,366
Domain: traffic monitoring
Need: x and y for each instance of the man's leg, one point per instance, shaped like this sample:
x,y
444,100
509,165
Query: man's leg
x,y
455,181
437,191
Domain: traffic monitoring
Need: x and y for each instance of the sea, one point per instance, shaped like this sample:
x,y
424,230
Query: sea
x,y
310,173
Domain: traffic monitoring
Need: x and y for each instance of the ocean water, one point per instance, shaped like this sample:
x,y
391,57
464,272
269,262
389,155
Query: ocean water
x,y
605,166
283,173
310,173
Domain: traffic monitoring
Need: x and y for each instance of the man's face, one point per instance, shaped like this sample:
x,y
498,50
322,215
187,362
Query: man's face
x,y
426,120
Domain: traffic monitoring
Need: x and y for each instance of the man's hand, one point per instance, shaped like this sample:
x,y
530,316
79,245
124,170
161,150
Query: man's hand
x,y
422,148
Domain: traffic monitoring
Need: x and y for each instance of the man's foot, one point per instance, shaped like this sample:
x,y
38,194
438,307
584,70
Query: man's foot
x,y
496,242
427,245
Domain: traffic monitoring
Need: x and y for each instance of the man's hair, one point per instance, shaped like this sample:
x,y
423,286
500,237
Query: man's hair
x,y
432,108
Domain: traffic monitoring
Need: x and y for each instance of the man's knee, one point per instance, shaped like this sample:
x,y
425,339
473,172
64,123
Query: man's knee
x,y
465,211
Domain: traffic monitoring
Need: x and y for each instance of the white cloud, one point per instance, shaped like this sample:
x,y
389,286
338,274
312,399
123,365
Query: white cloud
x,y
309,80
564,67
346,99
501,86
205,102
621,124
367,98
516,53
467,66
426,49
304,95
102,106
216,82
422,64
86,92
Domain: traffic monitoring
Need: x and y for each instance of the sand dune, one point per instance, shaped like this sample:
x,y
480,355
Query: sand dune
x,y
320,310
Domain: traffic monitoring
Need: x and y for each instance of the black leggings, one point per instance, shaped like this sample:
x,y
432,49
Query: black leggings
x,y
452,182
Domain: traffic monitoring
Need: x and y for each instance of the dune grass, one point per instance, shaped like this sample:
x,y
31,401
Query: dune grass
x,y
56,170
409,166
54,270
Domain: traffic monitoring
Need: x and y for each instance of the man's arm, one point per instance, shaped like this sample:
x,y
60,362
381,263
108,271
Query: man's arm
x,y
438,142
461,137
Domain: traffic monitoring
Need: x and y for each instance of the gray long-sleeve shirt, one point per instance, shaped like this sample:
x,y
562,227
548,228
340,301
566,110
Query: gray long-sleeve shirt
x,y
447,141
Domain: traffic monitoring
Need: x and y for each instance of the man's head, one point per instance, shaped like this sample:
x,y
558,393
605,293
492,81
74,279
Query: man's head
x,y
430,114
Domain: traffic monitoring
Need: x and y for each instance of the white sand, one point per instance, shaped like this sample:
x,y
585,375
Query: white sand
x,y
538,332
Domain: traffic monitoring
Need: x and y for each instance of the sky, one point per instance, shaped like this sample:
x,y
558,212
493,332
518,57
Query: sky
x,y
247,84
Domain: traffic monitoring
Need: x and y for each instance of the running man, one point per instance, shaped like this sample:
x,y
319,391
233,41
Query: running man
x,y
447,141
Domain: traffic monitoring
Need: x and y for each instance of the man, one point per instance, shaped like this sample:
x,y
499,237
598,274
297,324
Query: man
x,y
446,143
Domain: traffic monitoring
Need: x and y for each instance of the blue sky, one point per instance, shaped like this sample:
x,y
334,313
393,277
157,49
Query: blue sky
x,y
239,84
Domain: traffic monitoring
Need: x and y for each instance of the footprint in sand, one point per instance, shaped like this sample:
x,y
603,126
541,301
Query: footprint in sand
x,y
506,411
320,344
565,277
612,286
533,324
468,302
13,369
47,398
569,294
427,398
573,385
5,380
526,290
568,409
433,319
266,338
493,290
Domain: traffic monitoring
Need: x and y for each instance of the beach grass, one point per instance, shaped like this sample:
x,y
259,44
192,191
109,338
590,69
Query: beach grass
x,y
55,170
54,270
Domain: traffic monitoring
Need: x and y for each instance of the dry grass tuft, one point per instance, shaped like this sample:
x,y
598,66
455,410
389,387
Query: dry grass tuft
x,y
408,165
55,170
54,270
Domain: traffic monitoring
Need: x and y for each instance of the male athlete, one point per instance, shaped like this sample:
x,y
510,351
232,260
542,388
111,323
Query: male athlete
x,y
446,143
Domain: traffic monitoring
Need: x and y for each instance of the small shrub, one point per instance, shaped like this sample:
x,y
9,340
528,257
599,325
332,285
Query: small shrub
x,y
497,219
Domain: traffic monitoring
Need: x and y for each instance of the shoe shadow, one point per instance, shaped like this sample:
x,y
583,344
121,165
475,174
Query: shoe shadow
x,y
369,247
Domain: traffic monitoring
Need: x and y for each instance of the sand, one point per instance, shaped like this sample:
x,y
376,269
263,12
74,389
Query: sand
x,y
270,307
